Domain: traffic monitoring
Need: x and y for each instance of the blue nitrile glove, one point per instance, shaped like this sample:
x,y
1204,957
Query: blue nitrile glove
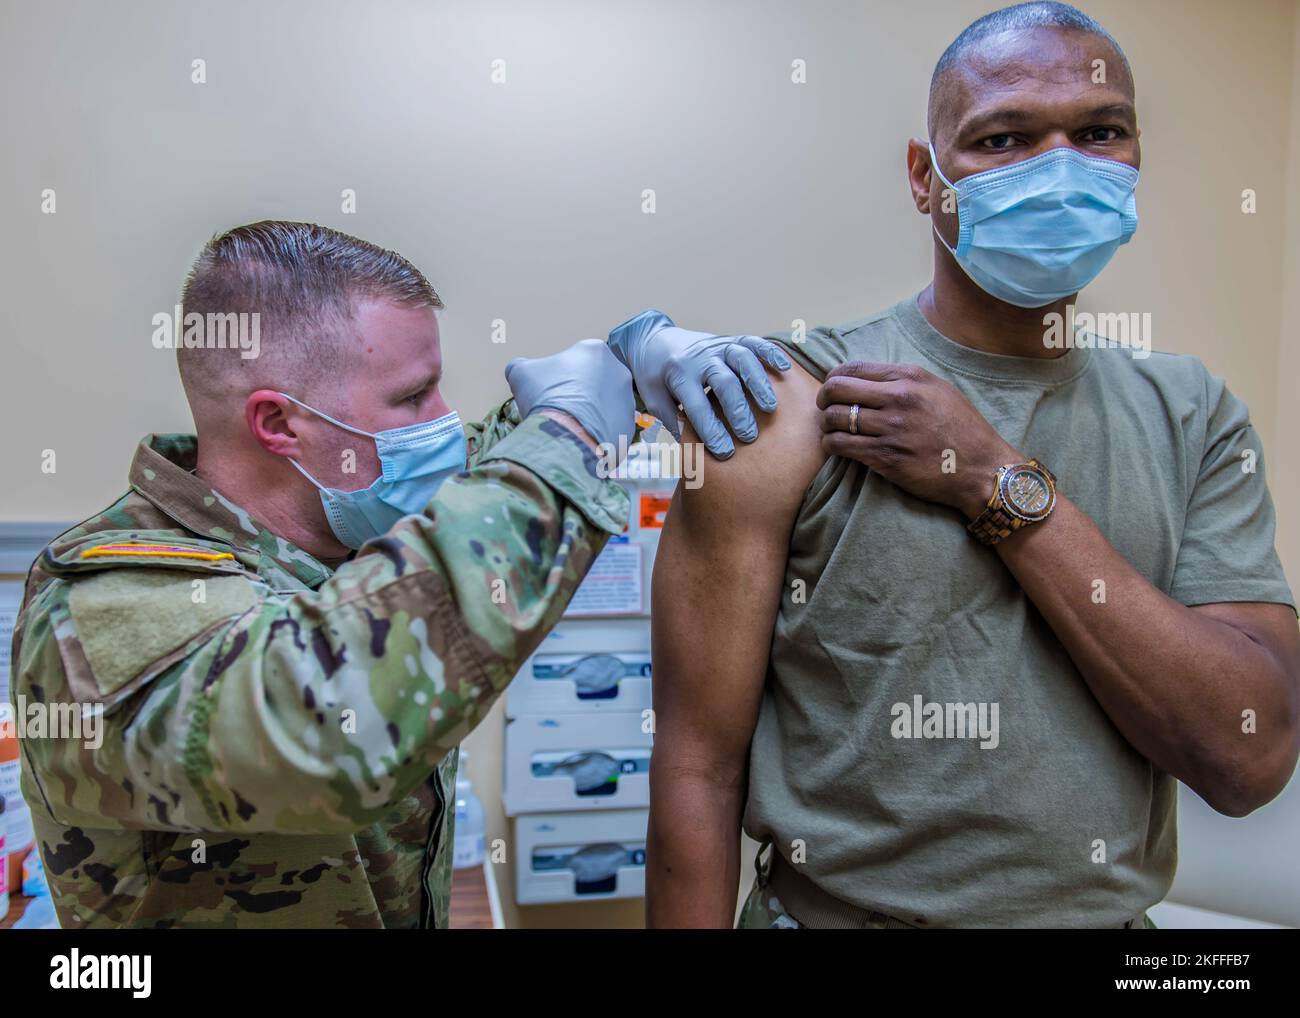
x,y
586,381
672,365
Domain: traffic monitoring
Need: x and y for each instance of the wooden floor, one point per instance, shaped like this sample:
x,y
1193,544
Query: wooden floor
x,y
470,907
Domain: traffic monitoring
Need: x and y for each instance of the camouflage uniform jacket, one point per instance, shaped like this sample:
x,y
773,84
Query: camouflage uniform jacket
x,y
279,739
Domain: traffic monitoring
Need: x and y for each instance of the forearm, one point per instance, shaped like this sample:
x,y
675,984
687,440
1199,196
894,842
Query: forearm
x,y
1173,680
509,542
693,849
1207,693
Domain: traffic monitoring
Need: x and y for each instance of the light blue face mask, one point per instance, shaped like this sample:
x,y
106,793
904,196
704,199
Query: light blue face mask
x,y
1035,231
414,462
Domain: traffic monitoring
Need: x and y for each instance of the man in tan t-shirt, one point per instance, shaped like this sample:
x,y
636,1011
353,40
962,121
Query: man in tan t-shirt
x,y
940,689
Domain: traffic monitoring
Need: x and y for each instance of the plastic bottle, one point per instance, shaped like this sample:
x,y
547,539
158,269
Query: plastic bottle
x,y
34,884
470,849
4,886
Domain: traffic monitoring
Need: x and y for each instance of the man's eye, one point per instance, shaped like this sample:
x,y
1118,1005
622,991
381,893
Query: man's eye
x,y
416,398
999,141
1100,135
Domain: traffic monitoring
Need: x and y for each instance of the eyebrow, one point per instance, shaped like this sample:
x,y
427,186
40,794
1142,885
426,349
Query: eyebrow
x,y
1112,110
428,381
983,121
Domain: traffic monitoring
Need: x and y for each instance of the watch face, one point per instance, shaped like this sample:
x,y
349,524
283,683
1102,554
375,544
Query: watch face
x,y
1027,491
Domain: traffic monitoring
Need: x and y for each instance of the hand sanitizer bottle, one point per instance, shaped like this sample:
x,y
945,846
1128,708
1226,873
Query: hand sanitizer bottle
x,y
470,848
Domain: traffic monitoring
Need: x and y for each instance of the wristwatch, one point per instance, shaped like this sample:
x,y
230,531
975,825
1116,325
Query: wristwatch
x,y
1025,494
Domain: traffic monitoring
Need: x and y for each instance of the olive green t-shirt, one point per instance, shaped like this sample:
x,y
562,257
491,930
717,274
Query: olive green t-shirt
x,y
1041,814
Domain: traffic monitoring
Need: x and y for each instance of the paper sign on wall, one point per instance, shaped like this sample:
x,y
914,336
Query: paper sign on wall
x,y
613,587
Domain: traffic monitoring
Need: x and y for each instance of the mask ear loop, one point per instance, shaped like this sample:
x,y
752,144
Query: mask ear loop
x,y
303,470
934,165
332,420
346,427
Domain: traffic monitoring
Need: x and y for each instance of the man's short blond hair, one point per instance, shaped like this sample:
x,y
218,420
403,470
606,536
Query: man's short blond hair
x,y
303,281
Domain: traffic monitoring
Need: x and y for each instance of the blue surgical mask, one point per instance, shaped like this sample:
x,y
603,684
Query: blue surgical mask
x,y
1035,231
414,462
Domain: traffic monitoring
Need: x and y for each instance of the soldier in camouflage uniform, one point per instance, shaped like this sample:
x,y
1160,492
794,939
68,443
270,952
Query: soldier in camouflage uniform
x,y
279,735
224,718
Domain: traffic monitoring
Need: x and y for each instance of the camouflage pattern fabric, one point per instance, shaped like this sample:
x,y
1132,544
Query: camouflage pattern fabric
x,y
763,911
280,738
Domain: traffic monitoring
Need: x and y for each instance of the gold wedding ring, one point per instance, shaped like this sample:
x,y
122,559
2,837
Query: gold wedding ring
x,y
853,418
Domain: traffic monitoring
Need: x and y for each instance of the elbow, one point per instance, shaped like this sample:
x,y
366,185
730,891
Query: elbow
x,y
1231,795
706,769
1235,803
1239,786
1238,774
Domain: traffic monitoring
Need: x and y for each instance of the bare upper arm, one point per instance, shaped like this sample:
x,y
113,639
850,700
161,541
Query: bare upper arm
x,y
717,584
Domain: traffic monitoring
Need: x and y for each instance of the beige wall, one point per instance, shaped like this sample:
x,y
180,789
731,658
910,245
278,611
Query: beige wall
x,y
1284,470
522,201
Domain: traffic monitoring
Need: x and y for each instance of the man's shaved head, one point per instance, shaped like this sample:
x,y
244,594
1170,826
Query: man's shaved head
x,y
978,43
305,283
1016,84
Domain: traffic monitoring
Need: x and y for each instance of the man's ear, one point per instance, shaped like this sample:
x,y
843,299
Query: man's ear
x,y
270,421
918,174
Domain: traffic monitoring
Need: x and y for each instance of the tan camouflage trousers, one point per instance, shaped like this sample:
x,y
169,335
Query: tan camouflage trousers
x,y
763,909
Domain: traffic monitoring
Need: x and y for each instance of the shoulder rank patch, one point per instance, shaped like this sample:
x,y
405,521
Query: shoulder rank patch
x,y
154,551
